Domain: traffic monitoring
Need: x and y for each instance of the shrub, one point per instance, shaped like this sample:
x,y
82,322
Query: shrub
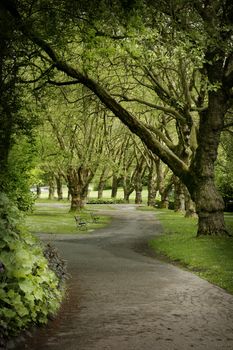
x,y
29,289
56,264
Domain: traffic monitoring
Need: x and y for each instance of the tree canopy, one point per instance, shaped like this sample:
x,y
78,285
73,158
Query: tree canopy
x,y
174,57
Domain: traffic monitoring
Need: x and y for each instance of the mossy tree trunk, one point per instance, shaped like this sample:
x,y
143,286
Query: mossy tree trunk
x,y
78,179
209,203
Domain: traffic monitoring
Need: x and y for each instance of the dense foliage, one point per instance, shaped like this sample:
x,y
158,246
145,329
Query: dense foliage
x,y
29,290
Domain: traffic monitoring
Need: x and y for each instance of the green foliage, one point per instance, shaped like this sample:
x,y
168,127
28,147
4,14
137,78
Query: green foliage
x,y
209,257
29,289
56,264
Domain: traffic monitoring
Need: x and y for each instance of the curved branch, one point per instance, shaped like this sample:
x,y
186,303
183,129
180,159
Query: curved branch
x,y
134,125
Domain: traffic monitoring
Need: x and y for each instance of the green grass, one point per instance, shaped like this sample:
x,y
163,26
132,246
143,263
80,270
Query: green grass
x,y
209,257
58,219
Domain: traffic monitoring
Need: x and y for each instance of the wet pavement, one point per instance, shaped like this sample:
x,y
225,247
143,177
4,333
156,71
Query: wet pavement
x,y
120,299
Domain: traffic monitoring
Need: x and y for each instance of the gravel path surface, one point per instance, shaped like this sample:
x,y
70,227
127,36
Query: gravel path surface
x,y
120,299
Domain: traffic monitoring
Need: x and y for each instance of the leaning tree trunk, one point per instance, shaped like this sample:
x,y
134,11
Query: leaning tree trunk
x,y
209,203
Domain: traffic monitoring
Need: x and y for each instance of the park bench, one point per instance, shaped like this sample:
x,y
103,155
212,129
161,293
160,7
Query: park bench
x,y
80,222
94,217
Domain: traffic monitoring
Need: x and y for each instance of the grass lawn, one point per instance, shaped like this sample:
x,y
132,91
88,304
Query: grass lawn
x,y
209,257
57,219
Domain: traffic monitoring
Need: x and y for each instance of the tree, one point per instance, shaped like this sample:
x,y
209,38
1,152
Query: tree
x,y
185,21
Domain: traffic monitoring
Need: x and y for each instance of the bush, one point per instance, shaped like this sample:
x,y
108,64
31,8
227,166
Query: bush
x,y
30,291
56,264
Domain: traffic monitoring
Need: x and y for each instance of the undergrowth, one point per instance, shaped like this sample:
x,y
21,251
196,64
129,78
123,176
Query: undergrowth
x,y
30,289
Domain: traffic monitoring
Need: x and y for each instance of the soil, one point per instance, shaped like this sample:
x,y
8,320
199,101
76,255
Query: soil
x,y
120,297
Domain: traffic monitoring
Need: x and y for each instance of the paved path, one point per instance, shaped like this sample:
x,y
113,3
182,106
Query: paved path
x,y
123,300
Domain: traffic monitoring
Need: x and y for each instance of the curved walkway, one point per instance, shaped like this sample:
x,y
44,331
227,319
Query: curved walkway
x,y
120,299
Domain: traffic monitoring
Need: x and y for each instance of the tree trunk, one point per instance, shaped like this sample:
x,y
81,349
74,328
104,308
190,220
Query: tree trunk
x,y
38,191
164,200
190,208
138,197
68,194
126,196
78,180
115,182
209,203
102,181
78,200
128,188
179,196
138,190
51,189
152,185
59,187
101,189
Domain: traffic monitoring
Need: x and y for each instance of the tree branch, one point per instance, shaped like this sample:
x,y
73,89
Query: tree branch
x,y
177,165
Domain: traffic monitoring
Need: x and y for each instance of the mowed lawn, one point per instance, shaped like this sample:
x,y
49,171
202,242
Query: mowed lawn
x,y
209,257
56,218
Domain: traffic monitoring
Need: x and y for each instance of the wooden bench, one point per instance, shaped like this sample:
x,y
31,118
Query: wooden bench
x,y
80,222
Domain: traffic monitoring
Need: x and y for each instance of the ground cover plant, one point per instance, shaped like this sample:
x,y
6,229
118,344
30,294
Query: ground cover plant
x,y
209,257
30,290
55,218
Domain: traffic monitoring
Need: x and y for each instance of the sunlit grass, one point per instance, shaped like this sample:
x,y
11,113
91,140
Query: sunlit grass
x,y
209,257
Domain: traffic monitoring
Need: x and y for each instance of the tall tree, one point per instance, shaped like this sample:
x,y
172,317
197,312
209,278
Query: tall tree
x,y
184,21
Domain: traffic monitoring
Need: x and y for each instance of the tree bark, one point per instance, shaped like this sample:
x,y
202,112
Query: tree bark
x,y
59,187
115,182
102,182
209,203
51,189
179,196
152,185
190,208
78,180
38,191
